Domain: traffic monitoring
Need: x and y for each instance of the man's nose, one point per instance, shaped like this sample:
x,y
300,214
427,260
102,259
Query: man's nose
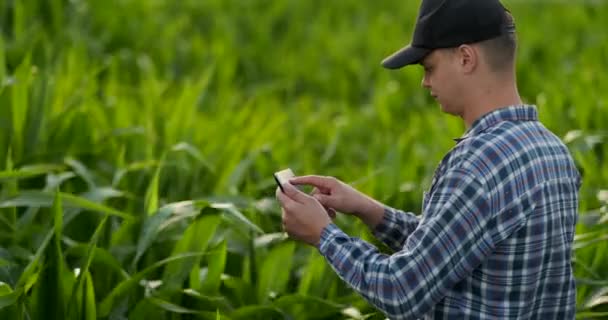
x,y
425,83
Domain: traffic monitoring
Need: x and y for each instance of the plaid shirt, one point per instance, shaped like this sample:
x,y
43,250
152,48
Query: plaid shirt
x,y
495,236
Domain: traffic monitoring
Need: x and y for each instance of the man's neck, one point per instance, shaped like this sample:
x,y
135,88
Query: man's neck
x,y
490,99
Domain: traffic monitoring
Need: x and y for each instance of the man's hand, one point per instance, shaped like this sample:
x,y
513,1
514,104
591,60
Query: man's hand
x,y
304,218
334,194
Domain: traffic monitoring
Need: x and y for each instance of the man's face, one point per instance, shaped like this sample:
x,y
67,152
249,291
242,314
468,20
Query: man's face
x,y
442,79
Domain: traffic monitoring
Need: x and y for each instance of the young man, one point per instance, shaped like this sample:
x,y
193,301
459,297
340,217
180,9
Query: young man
x,y
495,234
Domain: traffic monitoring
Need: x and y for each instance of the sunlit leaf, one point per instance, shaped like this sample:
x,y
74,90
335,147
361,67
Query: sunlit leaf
x,y
28,172
151,199
90,306
45,199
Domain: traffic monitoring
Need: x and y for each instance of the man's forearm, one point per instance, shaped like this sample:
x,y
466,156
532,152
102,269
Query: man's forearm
x,y
388,225
371,213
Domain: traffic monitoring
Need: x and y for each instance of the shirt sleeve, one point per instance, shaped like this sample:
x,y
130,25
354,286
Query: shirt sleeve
x,y
456,233
395,227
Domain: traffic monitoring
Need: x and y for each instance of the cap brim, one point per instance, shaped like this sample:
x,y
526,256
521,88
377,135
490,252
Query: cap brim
x,y
406,56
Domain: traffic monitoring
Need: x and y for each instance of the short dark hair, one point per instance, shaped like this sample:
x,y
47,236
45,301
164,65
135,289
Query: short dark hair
x,y
500,51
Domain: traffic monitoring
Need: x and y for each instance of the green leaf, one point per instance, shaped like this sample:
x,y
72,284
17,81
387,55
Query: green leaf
x,y
2,66
582,244
195,153
194,239
157,308
9,188
54,181
215,268
29,275
209,302
82,171
144,309
101,257
235,215
300,306
238,291
101,194
45,199
20,104
151,200
89,312
171,307
50,303
8,297
135,166
591,315
77,299
28,172
275,271
160,220
58,214
125,286
316,278
257,312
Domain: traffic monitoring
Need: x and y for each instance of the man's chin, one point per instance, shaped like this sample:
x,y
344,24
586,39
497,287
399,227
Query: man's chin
x,y
447,109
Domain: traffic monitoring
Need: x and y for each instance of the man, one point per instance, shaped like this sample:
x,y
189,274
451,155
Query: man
x,y
495,234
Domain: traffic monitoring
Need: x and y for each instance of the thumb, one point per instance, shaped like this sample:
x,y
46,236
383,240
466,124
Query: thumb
x,y
294,193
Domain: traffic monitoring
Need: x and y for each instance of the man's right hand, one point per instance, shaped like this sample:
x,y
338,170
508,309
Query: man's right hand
x,y
335,194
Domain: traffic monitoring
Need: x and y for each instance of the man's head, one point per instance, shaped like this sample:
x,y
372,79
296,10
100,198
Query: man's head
x,y
465,47
450,23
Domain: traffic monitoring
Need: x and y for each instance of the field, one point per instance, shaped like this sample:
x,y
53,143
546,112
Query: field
x,y
138,140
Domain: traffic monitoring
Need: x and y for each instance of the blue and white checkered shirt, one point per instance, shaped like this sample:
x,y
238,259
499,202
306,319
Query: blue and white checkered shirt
x,y
495,236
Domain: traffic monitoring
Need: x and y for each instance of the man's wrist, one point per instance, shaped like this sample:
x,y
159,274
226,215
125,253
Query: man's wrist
x,y
372,213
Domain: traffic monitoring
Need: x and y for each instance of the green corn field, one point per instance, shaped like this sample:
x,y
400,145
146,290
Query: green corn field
x,y
138,140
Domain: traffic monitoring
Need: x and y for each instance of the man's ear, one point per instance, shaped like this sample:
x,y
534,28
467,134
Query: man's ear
x,y
468,58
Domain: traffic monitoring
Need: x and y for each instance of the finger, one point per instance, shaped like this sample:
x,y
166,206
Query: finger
x,y
283,219
277,194
294,193
325,200
316,190
316,181
284,199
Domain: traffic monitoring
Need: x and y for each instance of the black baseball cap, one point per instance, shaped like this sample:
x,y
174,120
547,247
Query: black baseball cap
x,y
450,23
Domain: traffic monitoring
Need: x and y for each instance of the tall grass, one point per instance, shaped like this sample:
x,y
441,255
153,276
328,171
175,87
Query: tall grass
x,y
138,139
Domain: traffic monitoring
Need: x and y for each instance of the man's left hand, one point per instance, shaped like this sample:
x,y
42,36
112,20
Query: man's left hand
x,y
304,218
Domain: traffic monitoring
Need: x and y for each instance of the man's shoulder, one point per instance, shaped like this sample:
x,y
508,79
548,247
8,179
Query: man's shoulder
x,y
505,147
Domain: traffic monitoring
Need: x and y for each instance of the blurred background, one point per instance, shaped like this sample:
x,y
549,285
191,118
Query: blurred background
x,y
138,140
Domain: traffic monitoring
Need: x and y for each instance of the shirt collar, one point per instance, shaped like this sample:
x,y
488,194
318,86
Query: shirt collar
x,y
511,113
